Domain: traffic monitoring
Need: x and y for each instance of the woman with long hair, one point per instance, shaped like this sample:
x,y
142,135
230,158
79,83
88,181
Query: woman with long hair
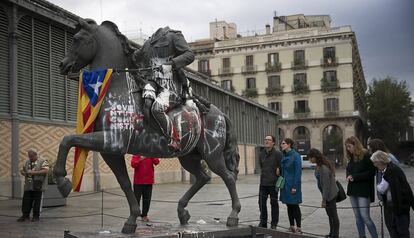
x,y
325,177
291,194
360,173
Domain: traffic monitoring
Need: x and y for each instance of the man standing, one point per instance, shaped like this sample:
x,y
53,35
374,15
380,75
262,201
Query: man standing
x,y
269,161
34,171
167,52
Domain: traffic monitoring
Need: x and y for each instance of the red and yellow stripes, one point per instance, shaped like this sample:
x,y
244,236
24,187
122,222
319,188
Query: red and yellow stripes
x,y
86,116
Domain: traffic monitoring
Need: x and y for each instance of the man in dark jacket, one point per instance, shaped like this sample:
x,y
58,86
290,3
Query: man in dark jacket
x,y
166,52
269,161
397,195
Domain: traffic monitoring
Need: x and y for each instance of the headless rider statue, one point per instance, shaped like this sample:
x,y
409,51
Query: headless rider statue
x,y
166,52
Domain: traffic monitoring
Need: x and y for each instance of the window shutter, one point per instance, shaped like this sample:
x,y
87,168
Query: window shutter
x,y
24,69
4,64
71,87
58,85
41,64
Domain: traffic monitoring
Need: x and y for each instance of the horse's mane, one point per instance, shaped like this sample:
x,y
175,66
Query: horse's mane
x,y
128,46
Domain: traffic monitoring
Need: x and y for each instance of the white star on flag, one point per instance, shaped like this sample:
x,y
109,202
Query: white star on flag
x,y
96,87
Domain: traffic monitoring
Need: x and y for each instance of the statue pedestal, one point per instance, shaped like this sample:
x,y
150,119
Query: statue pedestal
x,y
218,230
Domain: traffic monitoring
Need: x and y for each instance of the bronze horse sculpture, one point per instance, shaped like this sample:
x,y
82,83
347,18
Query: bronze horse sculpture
x,y
209,137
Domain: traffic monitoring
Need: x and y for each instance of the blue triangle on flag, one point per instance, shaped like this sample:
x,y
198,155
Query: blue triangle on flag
x,y
92,83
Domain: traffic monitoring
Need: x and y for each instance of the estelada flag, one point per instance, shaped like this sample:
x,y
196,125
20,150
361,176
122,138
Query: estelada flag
x,y
93,86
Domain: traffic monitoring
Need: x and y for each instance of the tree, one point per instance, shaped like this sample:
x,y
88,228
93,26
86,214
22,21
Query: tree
x,y
389,109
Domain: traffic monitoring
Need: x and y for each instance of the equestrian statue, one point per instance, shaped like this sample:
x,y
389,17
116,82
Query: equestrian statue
x,y
149,109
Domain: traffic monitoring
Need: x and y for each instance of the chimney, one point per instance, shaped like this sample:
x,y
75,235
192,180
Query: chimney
x,y
267,29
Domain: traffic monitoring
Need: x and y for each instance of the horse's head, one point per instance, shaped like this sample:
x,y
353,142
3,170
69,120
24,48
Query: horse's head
x,y
83,49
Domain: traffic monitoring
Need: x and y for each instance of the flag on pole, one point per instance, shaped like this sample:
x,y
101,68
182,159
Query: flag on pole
x,y
93,86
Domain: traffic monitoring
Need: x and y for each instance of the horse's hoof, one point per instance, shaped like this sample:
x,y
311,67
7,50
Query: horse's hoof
x,y
232,221
64,186
129,228
184,217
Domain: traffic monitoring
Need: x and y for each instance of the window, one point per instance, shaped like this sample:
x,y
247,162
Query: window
x,y
330,76
331,105
329,54
301,106
299,57
250,83
249,60
226,62
299,79
275,106
273,81
203,66
273,59
226,84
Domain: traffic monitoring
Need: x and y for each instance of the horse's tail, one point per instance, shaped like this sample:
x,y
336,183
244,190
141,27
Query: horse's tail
x,y
231,150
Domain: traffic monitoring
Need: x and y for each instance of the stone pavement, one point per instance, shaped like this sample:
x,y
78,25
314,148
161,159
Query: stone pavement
x,y
210,205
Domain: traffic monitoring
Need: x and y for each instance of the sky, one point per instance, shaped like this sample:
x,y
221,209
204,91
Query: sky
x,y
384,28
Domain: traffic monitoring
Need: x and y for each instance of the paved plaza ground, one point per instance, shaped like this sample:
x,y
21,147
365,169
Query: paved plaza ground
x,y
211,205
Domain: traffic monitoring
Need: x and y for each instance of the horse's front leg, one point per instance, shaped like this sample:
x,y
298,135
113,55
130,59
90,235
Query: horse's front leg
x,y
193,165
117,164
92,141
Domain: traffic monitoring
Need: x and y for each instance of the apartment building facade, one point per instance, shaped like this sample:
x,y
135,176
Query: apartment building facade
x,y
306,70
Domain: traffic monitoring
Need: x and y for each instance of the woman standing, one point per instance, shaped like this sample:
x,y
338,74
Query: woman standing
x,y
325,176
143,181
291,194
360,173
397,195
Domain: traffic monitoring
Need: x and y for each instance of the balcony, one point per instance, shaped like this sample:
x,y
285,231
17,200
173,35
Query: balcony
x,y
273,67
329,62
329,86
274,91
225,71
249,69
205,71
250,92
331,113
299,64
300,88
319,115
302,112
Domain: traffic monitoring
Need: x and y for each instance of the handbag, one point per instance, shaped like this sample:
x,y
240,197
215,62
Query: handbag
x,y
280,182
341,192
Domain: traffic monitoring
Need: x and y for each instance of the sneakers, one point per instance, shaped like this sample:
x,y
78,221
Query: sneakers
x,y
262,224
145,218
273,227
35,219
23,219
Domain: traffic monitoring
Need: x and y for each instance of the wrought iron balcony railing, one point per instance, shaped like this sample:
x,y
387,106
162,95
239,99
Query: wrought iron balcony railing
x,y
249,69
329,62
274,90
299,64
329,86
250,92
225,71
300,88
273,67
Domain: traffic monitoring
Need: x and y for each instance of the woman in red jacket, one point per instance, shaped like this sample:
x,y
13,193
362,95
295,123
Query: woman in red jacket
x,y
143,181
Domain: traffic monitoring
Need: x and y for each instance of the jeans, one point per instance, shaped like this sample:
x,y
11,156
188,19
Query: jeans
x,y
144,191
333,218
360,206
264,192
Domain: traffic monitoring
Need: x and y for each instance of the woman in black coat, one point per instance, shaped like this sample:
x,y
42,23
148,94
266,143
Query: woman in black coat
x,y
396,193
